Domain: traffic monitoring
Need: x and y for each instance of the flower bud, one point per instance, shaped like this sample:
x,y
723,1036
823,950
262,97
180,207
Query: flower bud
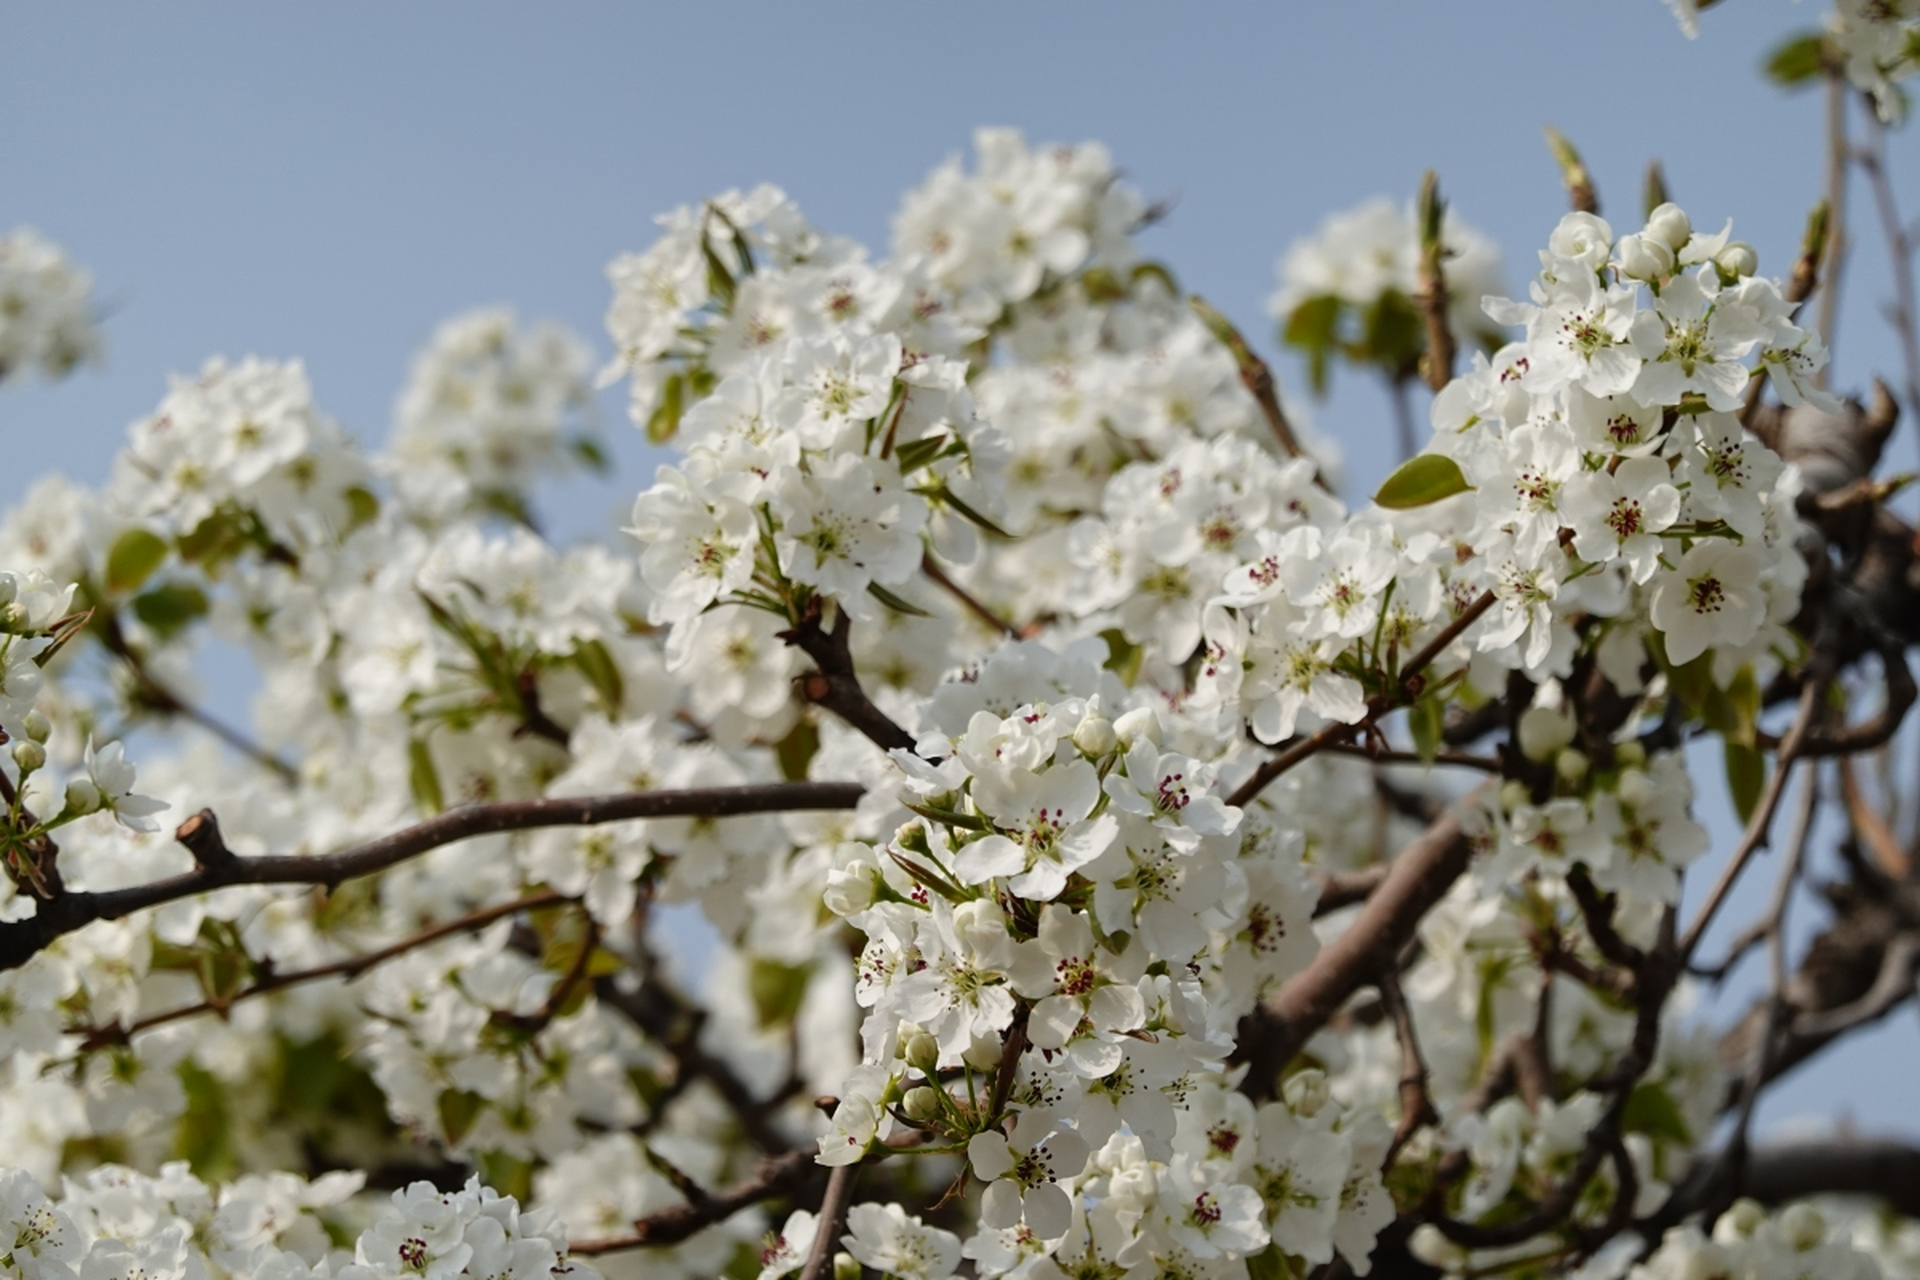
x,y
922,1053
1737,260
1584,236
1514,795
1741,1220
845,1267
983,1053
1635,788
1802,1226
38,727
1096,736
921,1104
1433,1248
1644,258
1543,731
1572,765
1669,225
1306,1092
849,891
1630,753
1140,723
82,797
29,755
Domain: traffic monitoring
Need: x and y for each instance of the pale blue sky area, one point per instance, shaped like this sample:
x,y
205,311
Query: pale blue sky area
x,y
330,181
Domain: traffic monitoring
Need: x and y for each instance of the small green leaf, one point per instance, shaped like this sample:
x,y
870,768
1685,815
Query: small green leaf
x,y
592,454
1746,776
1797,60
213,540
170,607
1651,1110
134,555
948,817
424,778
1268,1264
362,507
1123,656
894,602
965,512
665,420
603,673
777,990
796,751
1421,480
1425,719
458,1110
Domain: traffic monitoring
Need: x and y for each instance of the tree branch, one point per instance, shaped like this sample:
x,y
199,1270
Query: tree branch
x,y
1418,878
777,1176
67,912
836,686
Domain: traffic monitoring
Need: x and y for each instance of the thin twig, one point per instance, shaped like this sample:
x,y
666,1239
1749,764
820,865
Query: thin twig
x,y
1410,685
777,1176
1838,148
968,601
836,686
351,967
1761,824
1416,1104
1778,1008
1900,247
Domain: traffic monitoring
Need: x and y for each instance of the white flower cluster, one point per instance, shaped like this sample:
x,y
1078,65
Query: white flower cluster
x,y
1610,480
117,1224
1368,257
1879,42
483,413
46,308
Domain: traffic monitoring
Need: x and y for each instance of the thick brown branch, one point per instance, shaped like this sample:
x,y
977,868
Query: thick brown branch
x,y
835,686
70,911
1417,879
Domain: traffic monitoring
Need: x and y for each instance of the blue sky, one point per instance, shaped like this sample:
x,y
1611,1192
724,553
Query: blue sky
x,y
330,181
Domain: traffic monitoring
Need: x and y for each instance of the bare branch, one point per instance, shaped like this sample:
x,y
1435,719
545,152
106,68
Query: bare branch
x,y
67,912
836,686
777,1176
831,1220
1417,878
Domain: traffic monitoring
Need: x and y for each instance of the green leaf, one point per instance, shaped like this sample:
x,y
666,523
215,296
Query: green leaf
x,y
1123,656
665,420
362,507
213,540
458,1110
134,555
603,673
1651,1110
1268,1264
1421,480
946,495
948,817
1797,60
423,778
1392,332
592,454
796,751
894,602
777,990
1746,776
1425,719
170,607
1314,327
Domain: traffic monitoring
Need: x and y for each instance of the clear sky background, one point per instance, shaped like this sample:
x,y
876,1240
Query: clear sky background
x,y
330,181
